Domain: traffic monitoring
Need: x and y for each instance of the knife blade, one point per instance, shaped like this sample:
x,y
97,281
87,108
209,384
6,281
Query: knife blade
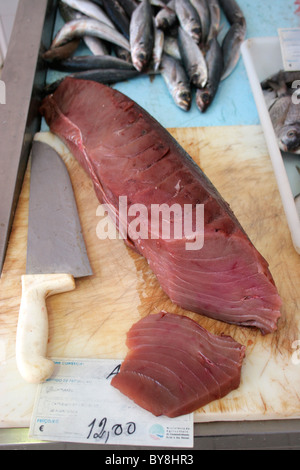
x,y
56,255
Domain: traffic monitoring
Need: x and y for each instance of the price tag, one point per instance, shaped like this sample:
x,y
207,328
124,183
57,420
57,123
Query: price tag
x,y
290,48
78,404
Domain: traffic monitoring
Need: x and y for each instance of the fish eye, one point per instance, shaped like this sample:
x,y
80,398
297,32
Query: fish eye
x,y
291,133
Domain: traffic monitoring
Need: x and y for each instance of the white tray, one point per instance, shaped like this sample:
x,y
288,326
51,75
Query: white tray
x,y
262,58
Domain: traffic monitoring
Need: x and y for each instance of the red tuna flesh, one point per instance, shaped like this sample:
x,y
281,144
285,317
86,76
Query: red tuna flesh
x,y
174,366
128,153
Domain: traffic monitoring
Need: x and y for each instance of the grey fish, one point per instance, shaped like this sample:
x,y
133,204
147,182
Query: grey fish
x,y
90,62
95,45
202,9
214,60
289,133
282,76
193,59
215,19
166,17
231,47
118,15
158,48
105,76
189,19
176,81
89,27
129,6
232,11
171,47
141,35
89,9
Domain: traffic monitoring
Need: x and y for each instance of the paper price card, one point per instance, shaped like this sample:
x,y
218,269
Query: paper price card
x,y
78,404
290,48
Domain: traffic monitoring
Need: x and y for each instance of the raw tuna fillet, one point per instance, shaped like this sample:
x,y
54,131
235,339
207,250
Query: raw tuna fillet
x,y
175,366
128,153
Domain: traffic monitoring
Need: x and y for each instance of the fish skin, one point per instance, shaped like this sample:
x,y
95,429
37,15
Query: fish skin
x,y
289,134
89,27
177,81
188,19
193,59
118,15
233,12
105,76
89,62
141,35
203,11
62,52
129,6
89,9
215,19
214,60
166,17
231,47
158,48
171,47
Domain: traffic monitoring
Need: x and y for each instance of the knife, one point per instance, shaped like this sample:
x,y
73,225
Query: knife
x,y
56,255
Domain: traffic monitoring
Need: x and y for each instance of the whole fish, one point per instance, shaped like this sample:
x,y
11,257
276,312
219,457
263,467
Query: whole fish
x,y
231,47
90,62
177,81
215,19
141,35
193,59
232,11
158,48
166,17
214,60
89,9
89,27
117,13
202,9
188,19
105,76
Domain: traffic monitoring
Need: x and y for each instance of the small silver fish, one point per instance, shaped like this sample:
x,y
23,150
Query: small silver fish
x,y
177,82
214,60
202,9
166,17
89,9
193,59
231,47
141,35
158,48
289,134
232,11
188,19
89,27
215,19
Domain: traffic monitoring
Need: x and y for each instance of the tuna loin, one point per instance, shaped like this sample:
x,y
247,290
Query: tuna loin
x,y
175,366
128,153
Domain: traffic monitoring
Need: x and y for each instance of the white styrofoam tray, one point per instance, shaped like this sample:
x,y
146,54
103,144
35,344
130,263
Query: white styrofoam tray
x,y
262,58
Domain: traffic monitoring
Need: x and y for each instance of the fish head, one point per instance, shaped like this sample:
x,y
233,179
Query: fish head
x,y
203,99
183,97
140,58
289,138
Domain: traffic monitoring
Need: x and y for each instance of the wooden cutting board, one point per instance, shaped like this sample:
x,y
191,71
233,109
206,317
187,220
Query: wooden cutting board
x,y
92,321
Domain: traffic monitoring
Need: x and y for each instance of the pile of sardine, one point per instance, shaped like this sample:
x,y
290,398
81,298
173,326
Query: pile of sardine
x,y
176,38
281,93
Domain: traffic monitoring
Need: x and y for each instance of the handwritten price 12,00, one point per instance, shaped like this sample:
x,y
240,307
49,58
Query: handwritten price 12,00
x,y
102,433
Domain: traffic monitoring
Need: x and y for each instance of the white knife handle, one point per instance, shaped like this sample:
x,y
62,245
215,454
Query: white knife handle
x,y
32,331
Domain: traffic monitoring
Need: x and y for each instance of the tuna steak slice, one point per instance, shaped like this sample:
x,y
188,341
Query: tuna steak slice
x,y
174,366
128,153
